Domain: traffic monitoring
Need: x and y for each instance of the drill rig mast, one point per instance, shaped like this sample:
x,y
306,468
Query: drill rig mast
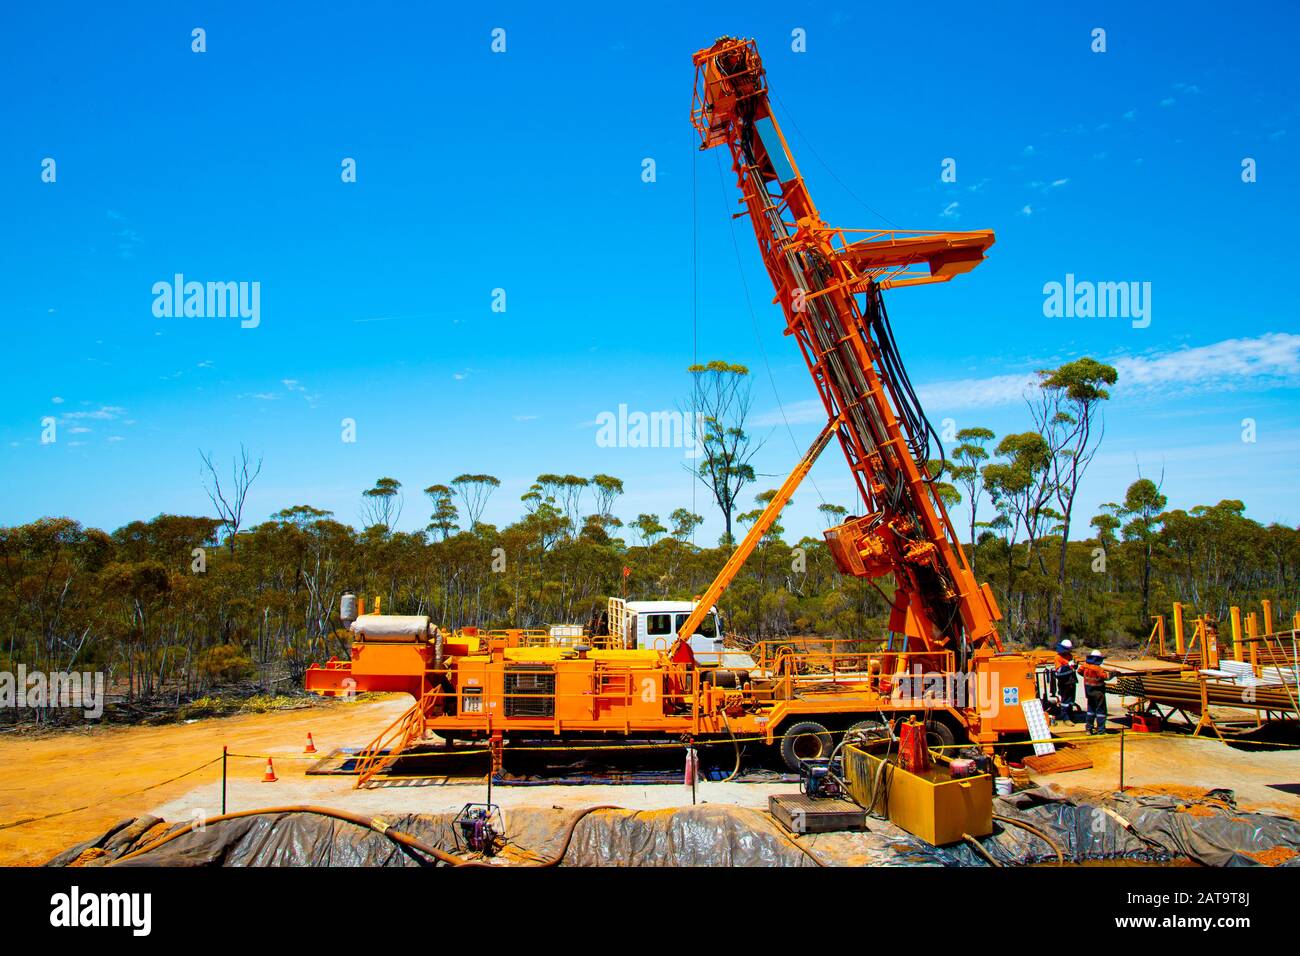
x,y
829,282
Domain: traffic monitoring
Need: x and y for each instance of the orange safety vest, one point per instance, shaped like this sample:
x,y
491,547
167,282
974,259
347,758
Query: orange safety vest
x,y
1093,675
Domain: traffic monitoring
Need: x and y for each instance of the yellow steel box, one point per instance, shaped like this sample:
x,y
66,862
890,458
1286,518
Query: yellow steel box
x,y
934,806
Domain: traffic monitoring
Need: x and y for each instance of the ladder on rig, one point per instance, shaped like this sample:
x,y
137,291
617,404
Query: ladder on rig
x,y
397,738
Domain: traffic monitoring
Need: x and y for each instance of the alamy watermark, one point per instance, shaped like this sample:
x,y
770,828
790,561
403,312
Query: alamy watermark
x,y
208,300
62,689
133,911
662,429
971,689
1073,299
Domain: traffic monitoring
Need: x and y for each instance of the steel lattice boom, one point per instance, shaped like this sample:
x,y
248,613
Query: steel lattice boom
x,y
829,283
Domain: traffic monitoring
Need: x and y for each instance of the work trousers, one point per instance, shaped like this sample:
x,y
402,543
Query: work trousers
x,y
1096,716
1066,691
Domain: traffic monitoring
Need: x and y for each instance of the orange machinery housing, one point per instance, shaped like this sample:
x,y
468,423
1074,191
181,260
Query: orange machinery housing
x,y
944,661
492,687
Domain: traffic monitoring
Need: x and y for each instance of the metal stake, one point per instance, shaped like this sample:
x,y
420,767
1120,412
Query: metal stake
x,y
1121,760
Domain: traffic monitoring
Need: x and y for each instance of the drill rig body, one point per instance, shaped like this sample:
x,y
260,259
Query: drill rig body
x,y
944,662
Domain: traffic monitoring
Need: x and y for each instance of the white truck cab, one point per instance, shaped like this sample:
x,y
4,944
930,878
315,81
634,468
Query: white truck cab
x,y
653,625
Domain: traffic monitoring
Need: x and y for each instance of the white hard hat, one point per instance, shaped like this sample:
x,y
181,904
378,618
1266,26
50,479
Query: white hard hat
x,y
1067,644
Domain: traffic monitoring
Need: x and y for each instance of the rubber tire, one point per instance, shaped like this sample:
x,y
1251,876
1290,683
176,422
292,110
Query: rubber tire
x,y
939,729
802,729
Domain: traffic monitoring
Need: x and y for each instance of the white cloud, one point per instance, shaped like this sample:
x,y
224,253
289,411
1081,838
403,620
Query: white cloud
x,y
976,392
1268,360
950,211
56,400
103,413
1044,188
1271,360
1026,210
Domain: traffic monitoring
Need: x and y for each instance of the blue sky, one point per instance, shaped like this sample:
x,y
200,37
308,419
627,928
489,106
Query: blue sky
x,y
522,171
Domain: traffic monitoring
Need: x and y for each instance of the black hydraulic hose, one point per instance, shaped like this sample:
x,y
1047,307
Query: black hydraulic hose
x,y
922,428
735,743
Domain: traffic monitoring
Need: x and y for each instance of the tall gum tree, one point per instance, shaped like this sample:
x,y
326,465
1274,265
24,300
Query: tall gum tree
x,y
1067,411
722,398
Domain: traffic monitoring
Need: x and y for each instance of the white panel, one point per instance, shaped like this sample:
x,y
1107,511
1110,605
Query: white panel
x,y
1037,723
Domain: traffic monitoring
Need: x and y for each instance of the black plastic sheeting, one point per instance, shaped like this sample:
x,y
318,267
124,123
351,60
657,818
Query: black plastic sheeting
x,y
1163,832
706,835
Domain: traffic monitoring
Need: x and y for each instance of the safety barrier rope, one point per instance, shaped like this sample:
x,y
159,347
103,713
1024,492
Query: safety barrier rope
x,y
119,796
1097,739
721,741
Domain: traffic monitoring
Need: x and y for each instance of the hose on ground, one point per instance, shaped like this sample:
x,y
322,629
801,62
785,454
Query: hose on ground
x,y
1041,834
979,848
568,835
1129,827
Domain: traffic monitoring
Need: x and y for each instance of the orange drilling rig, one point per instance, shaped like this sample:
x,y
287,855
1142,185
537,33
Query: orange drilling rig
x,y
943,662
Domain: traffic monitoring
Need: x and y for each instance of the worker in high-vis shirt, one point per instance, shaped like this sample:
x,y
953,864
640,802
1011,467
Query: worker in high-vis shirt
x,y
1094,689
1067,681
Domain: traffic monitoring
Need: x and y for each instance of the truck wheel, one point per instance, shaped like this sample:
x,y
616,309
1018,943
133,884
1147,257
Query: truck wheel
x,y
938,734
805,740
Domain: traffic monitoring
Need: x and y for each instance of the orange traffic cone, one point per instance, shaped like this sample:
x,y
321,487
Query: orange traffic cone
x,y
311,746
269,776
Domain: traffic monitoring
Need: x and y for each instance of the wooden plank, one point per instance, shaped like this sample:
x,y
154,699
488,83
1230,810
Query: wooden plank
x,y
1059,762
